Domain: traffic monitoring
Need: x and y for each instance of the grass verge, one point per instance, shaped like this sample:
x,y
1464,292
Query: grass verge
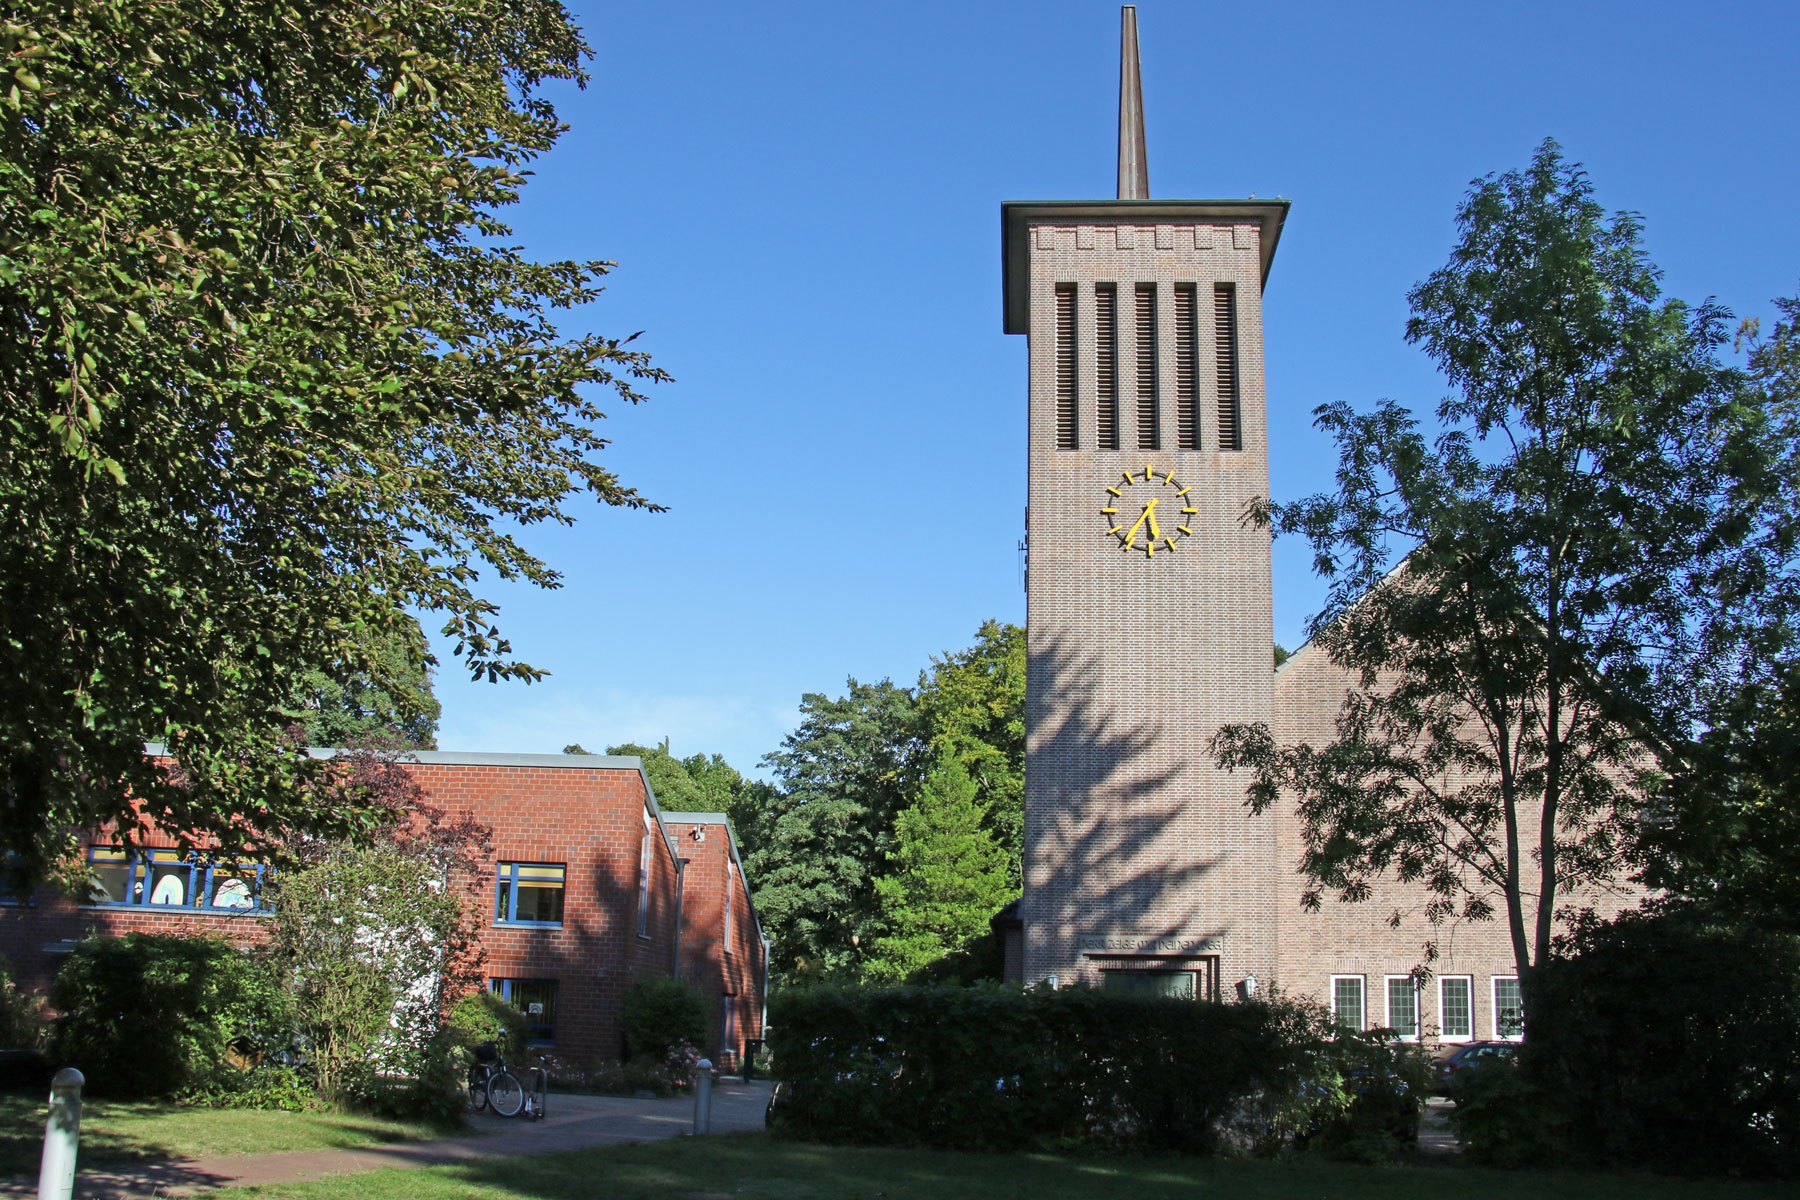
x,y
124,1131
753,1167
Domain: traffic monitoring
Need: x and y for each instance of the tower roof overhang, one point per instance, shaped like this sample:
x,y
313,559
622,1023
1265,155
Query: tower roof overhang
x,y
1018,216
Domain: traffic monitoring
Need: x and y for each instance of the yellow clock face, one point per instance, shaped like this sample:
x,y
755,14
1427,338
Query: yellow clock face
x,y
1148,512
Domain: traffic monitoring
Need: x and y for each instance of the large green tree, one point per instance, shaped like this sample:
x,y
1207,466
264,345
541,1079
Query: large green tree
x,y
972,706
1726,827
841,777
946,875
271,373
1600,519
381,698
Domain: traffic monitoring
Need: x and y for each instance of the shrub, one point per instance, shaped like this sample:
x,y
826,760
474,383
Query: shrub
x,y
1501,1120
1383,1085
660,1014
22,1022
1671,1041
482,1017
146,1015
993,1068
268,1085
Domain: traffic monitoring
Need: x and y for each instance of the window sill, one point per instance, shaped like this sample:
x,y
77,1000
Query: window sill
x,y
528,924
170,910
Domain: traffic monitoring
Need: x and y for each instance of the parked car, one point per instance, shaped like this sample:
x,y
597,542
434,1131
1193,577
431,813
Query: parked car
x,y
1470,1056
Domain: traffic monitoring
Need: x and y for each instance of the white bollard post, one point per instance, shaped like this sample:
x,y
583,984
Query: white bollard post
x,y
62,1136
703,1096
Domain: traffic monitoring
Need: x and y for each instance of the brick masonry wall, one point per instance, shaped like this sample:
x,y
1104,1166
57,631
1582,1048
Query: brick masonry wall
x,y
1136,845
590,819
1364,938
726,965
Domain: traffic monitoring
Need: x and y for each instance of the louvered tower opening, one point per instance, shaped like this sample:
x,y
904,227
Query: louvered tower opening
x,y
1146,367
1225,342
1065,367
1187,396
1106,367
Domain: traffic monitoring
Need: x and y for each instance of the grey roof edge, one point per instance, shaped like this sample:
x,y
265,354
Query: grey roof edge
x,y
1017,215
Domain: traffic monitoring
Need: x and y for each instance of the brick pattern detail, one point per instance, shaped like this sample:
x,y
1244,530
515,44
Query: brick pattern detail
x,y
590,820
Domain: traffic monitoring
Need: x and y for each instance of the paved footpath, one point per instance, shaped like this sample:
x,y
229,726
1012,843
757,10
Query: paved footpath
x,y
574,1123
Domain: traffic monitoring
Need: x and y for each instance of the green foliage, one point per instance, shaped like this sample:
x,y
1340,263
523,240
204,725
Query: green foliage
x,y
660,1014
1598,529
842,775
1502,1120
972,706
1384,1084
482,1016
272,373
144,1015
993,1068
364,939
270,1086
1728,833
23,1025
1672,1041
947,876
388,704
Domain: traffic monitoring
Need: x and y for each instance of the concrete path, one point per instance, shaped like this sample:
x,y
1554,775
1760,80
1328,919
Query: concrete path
x,y
574,1123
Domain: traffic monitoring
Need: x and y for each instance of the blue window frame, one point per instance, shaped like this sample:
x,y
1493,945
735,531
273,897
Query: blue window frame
x,y
529,894
172,879
536,998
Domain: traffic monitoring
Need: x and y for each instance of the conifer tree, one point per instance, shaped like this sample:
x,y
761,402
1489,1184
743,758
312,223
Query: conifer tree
x,y
947,875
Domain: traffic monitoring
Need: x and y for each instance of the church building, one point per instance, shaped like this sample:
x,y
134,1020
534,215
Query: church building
x,y
1149,627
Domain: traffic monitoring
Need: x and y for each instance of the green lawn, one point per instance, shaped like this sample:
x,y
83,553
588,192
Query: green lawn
x,y
128,1131
752,1166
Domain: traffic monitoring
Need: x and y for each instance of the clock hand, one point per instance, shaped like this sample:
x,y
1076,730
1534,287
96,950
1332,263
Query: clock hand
x,y
1150,514
1131,534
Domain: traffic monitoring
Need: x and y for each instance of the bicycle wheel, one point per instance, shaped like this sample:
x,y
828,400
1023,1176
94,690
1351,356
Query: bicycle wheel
x,y
478,1090
505,1094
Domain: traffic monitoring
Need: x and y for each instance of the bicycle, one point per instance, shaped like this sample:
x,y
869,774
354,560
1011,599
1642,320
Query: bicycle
x,y
491,1085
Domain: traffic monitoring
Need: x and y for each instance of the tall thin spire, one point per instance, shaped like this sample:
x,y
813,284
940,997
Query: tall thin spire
x,y
1134,163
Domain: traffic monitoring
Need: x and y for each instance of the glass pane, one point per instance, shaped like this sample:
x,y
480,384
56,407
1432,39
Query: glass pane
x,y
169,880
1177,985
1509,1014
1403,1008
536,998
112,877
233,887
503,904
539,901
1347,1002
1456,1017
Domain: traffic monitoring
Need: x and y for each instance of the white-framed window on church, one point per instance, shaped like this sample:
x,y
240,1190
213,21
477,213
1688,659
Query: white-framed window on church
x,y
1065,368
728,1026
1347,1010
1403,1007
1140,981
643,897
1456,1008
1509,1008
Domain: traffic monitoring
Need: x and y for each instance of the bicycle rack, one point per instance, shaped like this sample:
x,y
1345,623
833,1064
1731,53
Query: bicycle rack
x,y
537,1094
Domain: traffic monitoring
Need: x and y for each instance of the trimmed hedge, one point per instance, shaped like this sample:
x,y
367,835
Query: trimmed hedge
x,y
996,1068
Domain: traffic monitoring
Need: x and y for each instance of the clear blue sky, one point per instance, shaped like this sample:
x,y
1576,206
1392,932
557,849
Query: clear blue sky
x,y
803,200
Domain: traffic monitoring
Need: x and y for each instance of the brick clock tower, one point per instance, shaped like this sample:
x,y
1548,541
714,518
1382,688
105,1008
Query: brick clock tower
x,y
1148,594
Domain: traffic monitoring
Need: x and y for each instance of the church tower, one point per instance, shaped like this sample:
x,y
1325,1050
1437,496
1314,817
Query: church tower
x,y
1148,593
